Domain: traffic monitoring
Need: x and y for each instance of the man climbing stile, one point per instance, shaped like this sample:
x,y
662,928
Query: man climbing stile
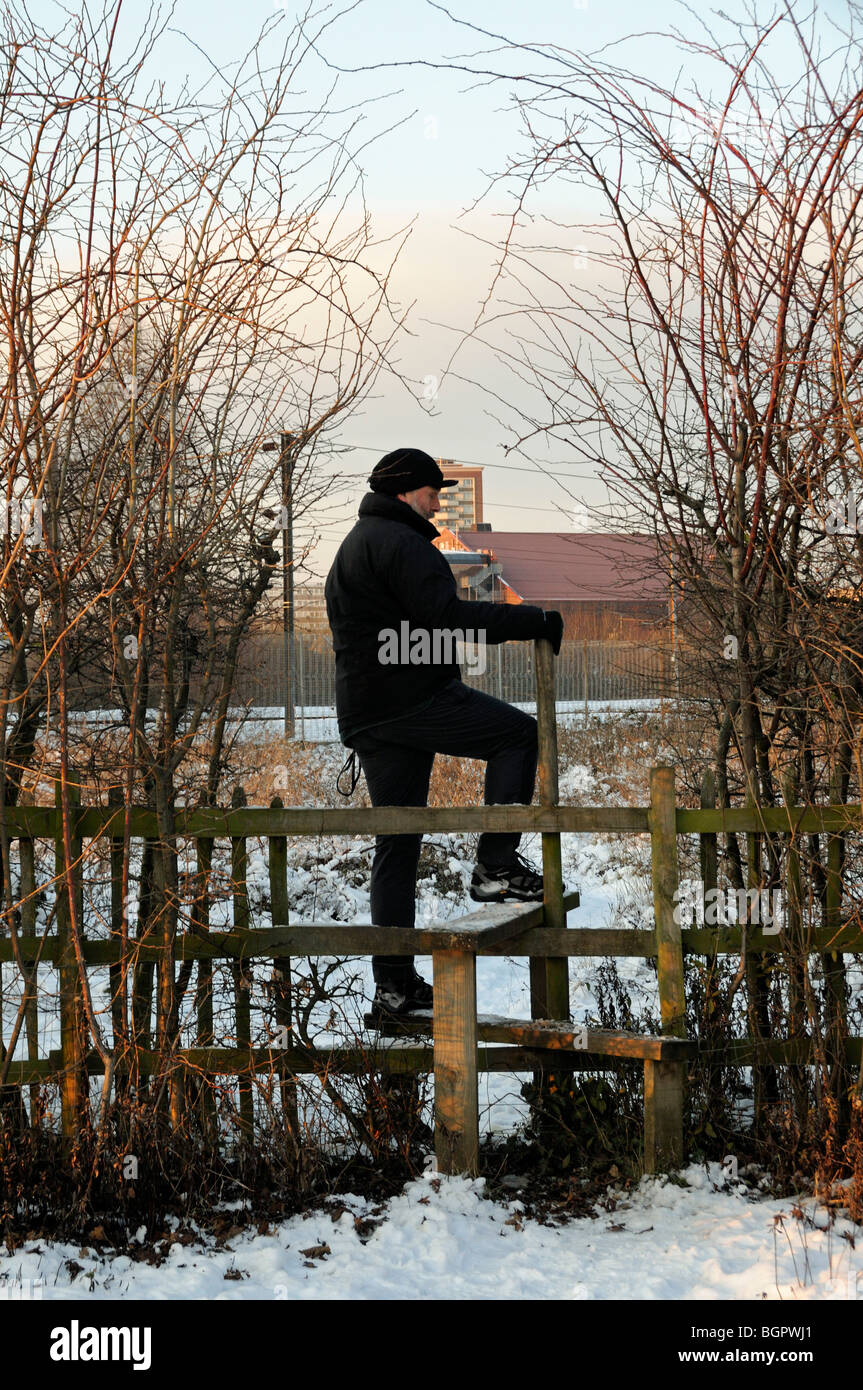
x,y
401,701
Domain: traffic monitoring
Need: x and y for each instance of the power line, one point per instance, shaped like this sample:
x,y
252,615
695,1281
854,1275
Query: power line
x,y
474,463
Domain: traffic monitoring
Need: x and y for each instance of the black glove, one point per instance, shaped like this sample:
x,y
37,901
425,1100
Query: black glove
x,y
554,629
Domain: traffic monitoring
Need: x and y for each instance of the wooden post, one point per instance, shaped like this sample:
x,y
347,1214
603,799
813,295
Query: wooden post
x,y
456,1097
204,994
663,1081
708,857
664,871
764,1084
833,965
116,973
278,865
242,971
73,1080
663,1116
27,859
549,978
796,953
142,975
204,856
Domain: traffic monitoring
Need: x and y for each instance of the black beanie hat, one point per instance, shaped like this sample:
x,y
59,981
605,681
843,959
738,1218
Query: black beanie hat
x,y
405,470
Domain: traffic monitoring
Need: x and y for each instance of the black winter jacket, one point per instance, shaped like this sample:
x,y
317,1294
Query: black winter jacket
x,y
386,573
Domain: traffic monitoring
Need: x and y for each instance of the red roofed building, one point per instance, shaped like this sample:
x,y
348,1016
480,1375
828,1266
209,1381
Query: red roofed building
x,y
605,584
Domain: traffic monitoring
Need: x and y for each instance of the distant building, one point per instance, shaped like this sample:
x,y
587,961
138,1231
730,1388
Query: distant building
x,y
476,571
460,507
605,585
310,611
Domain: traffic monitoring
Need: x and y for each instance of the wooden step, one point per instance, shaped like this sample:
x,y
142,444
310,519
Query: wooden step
x,y
551,1034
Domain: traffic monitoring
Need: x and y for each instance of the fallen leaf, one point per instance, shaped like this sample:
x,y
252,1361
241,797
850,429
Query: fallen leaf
x,y
316,1252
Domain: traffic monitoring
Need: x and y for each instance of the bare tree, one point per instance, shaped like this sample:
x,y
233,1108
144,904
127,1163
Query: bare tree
x,y
182,276
693,333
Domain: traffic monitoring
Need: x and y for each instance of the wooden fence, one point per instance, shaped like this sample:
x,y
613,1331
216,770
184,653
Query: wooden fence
x,y
462,1044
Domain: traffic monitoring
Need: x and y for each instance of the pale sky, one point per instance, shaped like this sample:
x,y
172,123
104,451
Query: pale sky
x,y
454,133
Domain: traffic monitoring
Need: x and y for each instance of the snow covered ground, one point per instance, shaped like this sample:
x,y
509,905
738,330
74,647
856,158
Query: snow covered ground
x,y
440,1238
317,723
699,1238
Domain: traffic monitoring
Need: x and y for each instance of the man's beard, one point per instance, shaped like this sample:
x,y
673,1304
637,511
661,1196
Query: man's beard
x,y
417,507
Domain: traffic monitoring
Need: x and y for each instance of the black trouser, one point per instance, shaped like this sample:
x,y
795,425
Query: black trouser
x,y
397,760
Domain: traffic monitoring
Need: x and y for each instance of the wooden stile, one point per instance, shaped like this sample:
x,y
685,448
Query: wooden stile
x,y
463,1043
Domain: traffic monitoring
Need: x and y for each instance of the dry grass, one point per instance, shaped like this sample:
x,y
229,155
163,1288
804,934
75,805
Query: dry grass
x,y
305,774
620,749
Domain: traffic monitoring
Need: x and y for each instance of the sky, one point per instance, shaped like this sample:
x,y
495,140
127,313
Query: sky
x,y
452,132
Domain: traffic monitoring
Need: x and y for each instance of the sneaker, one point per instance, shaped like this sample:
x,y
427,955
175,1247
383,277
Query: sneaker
x,y
396,1000
516,881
